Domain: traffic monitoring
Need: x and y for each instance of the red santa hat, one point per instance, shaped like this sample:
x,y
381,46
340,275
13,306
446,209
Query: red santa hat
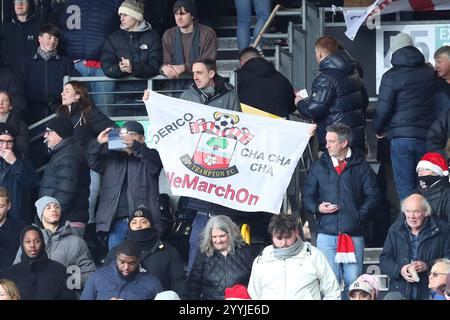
x,y
435,162
345,252
237,292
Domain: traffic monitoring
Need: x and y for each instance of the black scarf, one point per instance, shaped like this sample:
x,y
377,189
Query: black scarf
x,y
426,182
145,238
177,49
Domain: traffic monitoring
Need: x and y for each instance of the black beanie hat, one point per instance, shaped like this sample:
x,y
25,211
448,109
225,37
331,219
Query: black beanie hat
x,y
142,212
62,126
134,126
7,129
188,5
128,248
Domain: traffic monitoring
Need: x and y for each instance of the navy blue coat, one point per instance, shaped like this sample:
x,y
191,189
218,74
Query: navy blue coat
x,y
405,107
396,253
106,283
9,241
97,20
337,95
355,191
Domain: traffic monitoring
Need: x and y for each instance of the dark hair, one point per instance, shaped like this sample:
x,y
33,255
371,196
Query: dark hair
x,y
51,29
282,224
7,94
343,131
84,101
4,194
209,63
247,54
327,43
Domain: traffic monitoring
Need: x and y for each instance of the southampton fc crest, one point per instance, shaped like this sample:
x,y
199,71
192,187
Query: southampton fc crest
x,y
216,145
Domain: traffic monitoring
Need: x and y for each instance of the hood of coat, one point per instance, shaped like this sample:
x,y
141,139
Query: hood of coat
x,y
260,67
407,57
340,61
143,26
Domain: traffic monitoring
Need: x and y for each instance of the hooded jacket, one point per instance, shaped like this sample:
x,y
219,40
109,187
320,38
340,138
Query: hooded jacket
x,y
67,249
305,276
39,278
261,86
405,97
337,95
438,196
355,191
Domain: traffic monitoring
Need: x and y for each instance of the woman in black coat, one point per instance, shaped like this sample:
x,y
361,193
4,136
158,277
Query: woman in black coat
x,y
36,276
223,261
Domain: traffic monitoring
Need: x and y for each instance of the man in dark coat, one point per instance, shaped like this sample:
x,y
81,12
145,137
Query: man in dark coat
x,y
441,98
66,176
404,111
337,94
261,86
135,50
17,175
130,179
157,257
10,83
122,279
341,191
413,243
432,171
37,277
10,229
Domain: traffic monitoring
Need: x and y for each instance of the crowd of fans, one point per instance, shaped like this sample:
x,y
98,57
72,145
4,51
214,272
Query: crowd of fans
x,y
46,251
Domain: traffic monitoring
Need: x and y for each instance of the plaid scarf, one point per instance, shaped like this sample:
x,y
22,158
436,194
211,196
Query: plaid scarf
x,y
46,55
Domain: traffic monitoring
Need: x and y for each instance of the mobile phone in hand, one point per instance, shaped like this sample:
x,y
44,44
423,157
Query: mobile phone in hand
x,y
114,140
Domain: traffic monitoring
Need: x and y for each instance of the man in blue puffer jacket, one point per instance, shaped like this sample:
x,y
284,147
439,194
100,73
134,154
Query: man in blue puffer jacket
x,y
337,94
341,191
405,112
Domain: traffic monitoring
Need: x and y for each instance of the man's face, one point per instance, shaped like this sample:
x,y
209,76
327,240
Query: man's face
x,y
21,7
5,104
5,205
442,66
51,138
334,146
421,172
284,241
47,42
6,142
32,243
127,22
220,239
51,213
414,213
183,19
202,77
127,265
139,223
438,276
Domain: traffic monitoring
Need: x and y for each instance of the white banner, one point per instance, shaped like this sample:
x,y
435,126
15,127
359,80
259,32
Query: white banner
x,y
234,159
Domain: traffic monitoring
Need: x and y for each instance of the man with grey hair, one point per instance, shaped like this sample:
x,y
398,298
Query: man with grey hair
x,y
437,278
341,191
413,242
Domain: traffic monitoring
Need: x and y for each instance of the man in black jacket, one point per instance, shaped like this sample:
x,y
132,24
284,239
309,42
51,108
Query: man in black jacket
x,y
130,179
135,50
404,111
261,86
413,243
341,191
337,94
66,176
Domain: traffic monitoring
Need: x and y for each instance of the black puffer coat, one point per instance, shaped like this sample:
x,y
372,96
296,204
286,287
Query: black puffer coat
x,y
355,191
396,253
439,133
405,98
337,95
210,276
67,179
438,196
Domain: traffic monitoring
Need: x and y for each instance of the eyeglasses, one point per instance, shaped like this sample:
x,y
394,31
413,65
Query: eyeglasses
x,y
5,142
435,274
20,1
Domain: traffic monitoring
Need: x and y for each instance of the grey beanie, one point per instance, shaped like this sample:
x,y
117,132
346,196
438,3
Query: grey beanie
x,y
42,202
401,40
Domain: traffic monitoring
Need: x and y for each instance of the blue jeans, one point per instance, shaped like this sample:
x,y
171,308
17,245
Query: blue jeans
x,y
343,271
117,233
199,223
244,19
405,154
96,87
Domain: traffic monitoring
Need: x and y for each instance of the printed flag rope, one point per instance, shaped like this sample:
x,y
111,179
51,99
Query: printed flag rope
x,y
345,252
238,160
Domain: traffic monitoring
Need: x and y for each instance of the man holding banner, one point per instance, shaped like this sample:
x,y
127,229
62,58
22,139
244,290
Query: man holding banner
x,y
231,162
